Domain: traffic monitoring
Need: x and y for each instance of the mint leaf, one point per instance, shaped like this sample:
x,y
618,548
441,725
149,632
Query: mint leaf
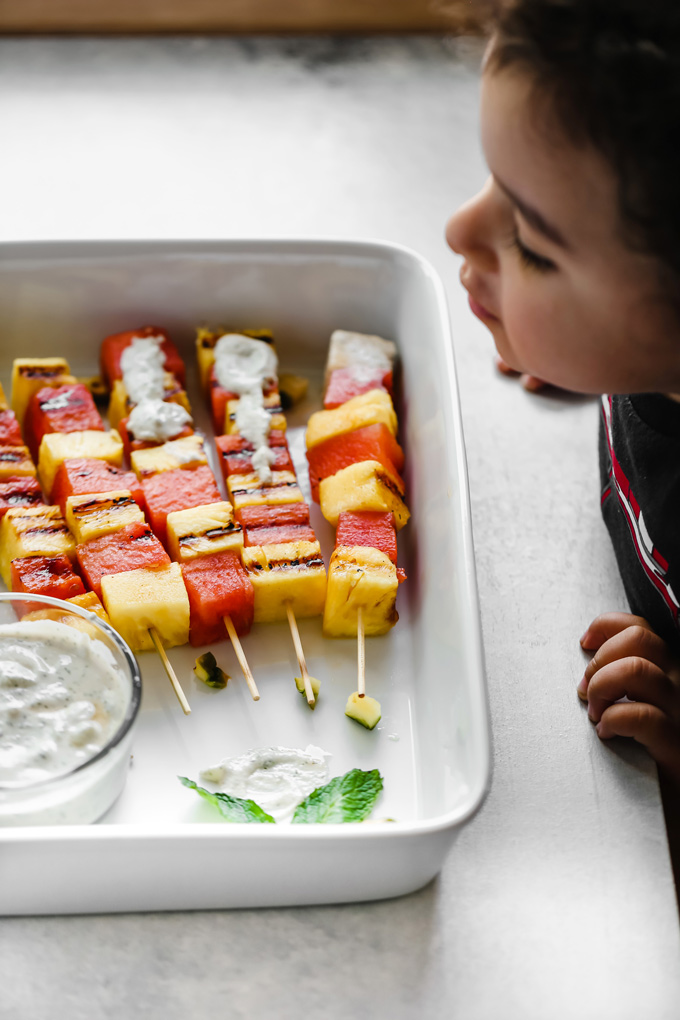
x,y
234,809
348,798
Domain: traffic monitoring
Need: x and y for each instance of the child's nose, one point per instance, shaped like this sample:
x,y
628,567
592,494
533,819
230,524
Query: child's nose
x,y
470,231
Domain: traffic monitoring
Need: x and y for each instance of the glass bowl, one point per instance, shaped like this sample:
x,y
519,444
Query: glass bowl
x,y
64,757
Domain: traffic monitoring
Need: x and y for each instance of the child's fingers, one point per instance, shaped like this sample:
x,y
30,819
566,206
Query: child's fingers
x,y
635,640
634,678
531,383
649,726
607,625
503,367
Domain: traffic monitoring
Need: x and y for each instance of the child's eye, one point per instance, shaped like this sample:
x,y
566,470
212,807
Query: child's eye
x,y
529,258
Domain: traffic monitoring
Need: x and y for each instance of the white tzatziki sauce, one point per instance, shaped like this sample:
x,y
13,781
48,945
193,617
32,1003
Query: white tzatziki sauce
x,y
365,355
143,366
244,366
155,420
276,778
62,699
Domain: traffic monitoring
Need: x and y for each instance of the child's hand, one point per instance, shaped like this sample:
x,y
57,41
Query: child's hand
x,y
529,382
632,661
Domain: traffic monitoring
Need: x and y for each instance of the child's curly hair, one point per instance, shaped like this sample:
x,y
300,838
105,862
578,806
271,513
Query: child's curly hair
x,y
610,72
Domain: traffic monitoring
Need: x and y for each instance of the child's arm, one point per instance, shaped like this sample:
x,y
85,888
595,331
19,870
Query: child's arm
x,y
632,661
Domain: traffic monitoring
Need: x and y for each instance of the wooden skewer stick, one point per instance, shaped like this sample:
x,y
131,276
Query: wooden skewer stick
x,y
172,676
361,654
295,633
240,655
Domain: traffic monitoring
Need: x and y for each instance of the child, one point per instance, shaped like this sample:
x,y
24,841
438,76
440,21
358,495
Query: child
x,y
572,260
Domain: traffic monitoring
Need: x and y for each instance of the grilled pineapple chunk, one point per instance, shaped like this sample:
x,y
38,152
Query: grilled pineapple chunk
x,y
293,389
359,575
187,452
206,339
33,531
250,490
148,597
210,528
3,399
96,515
30,375
15,461
90,601
120,404
271,403
365,485
56,447
291,572
371,408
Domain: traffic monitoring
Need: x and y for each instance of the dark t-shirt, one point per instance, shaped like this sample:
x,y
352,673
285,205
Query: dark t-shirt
x,y
640,473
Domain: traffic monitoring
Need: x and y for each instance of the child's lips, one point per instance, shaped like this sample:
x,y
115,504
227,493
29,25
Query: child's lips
x,y
480,311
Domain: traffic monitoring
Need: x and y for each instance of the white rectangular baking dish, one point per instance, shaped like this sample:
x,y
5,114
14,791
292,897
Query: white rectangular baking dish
x,y
158,848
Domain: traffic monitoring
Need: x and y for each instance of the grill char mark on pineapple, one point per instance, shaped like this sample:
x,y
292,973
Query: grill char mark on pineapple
x,y
102,506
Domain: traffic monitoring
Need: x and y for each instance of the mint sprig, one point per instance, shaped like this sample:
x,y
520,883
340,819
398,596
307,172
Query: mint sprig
x,y
233,809
348,798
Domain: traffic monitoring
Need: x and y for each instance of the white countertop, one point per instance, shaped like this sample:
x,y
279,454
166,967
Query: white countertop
x,y
557,900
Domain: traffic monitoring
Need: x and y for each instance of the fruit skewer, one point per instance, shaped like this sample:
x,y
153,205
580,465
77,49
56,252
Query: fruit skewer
x,y
280,550
354,462
54,417
176,481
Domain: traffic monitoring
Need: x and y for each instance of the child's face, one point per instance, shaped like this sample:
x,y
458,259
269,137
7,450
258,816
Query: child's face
x,y
545,265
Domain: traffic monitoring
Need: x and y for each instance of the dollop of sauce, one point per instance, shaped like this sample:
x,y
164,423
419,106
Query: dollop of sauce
x,y
276,778
155,420
363,354
143,366
62,699
245,366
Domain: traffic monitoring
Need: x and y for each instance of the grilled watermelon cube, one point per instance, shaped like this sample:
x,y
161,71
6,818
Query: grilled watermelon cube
x,y
366,527
56,447
292,572
16,492
363,486
272,525
373,442
236,453
46,575
203,529
113,346
133,546
371,408
346,383
279,533
10,433
15,462
33,531
95,515
270,516
31,374
84,476
359,576
217,586
68,408
148,597
177,490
